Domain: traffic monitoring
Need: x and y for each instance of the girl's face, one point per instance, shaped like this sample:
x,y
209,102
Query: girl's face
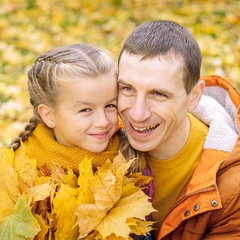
x,y
86,115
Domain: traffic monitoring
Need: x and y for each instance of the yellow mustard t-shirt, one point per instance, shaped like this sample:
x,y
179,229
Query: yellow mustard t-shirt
x,y
170,176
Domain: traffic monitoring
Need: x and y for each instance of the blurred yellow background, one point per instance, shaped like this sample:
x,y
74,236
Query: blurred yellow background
x,y
30,27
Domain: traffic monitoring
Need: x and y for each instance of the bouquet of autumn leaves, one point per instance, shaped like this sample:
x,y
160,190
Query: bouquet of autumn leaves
x,y
54,203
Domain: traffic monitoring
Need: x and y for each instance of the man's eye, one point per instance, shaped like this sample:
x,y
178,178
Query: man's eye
x,y
127,89
85,110
159,95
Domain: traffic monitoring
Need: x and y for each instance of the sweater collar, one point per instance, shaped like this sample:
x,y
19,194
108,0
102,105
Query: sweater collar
x,y
42,145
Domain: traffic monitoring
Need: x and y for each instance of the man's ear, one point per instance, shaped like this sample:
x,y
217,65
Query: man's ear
x,y
196,95
46,113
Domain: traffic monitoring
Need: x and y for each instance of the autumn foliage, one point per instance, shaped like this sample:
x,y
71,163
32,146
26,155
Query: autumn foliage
x,y
30,27
55,203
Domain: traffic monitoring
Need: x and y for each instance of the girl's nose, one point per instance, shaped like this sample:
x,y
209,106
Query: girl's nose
x,y
101,120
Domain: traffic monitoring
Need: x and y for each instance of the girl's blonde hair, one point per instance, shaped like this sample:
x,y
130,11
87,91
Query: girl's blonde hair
x,y
130,153
61,64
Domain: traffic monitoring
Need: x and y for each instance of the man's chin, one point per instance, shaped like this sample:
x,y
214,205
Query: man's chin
x,y
139,145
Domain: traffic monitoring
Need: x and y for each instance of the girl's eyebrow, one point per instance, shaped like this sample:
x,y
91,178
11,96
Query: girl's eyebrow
x,y
79,102
113,99
82,102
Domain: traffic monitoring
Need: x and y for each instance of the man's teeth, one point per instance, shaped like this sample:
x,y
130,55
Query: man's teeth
x,y
146,129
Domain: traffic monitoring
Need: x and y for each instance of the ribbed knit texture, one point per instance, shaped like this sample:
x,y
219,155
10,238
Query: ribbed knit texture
x,y
42,146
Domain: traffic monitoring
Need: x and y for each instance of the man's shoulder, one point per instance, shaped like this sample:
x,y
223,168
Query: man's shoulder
x,y
197,123
228,182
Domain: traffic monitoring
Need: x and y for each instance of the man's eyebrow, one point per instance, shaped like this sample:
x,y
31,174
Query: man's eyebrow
x,y
164,91
160,90
123,82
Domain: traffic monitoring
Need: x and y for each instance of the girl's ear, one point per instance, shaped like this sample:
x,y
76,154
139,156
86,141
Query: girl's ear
x,y
47,115
196,95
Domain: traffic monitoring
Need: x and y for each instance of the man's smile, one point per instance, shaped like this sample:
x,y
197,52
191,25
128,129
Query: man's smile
x,y
144,129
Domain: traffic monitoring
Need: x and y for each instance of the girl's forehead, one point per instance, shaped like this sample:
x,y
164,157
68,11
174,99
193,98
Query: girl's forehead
x,y
104,86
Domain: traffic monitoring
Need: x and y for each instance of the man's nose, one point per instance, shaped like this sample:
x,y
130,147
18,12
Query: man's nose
x,y
140,110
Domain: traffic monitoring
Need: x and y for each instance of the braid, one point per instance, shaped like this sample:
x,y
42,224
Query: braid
x,y
23,135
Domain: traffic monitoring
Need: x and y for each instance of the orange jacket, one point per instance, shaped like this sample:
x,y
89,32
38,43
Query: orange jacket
x,y
208,207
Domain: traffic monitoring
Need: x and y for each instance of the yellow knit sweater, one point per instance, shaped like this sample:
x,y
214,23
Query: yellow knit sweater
x,y
42,146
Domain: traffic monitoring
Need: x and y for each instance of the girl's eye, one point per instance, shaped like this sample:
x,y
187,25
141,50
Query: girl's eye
x,y
111,106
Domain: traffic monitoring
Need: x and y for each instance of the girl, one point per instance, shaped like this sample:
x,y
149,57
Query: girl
x,y
73,91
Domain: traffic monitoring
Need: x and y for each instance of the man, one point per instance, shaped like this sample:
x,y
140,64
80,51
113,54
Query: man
x,y
190,141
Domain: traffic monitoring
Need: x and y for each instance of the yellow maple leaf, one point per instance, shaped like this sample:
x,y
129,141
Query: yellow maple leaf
x,y
21,224
25,168
66,176
7,154
13,175
70,178
90,214
84,179
40,192
102,204
114,203
139,179
8,176
40,211
43,227
105,188
129,189
56,220
135,205
139,227
6,205
64,205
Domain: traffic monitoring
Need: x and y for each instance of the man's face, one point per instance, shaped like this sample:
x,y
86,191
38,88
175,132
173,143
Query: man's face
x,y
153,104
